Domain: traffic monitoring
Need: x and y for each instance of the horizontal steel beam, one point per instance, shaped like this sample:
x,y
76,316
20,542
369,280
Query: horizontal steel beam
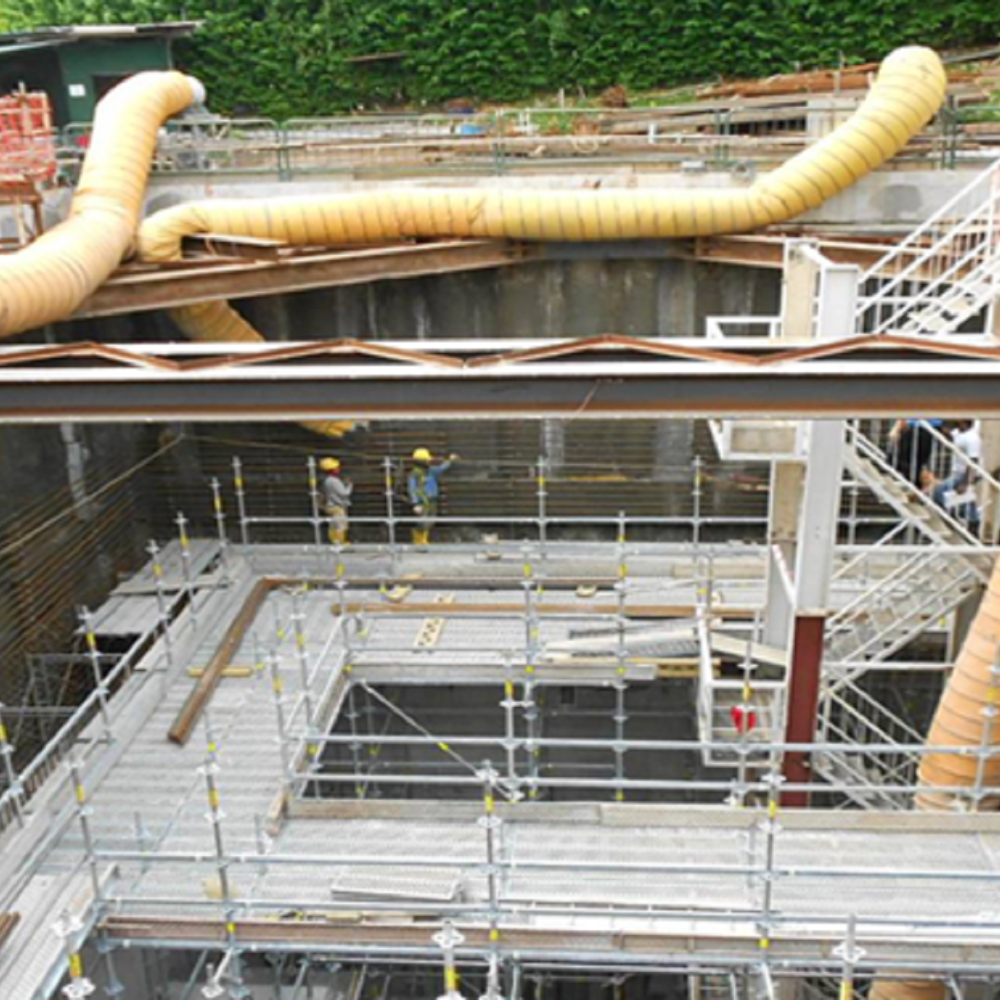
x,y
680,945
604,377
184,283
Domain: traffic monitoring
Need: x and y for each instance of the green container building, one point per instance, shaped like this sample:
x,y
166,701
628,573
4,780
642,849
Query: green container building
x,y
77,65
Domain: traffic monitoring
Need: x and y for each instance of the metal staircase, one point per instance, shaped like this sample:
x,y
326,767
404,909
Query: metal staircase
x,y
851,716
945,276
900,606
713,986
909,591
867,464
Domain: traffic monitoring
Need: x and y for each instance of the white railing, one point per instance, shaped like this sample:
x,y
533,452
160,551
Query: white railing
x,y
876,473
984,487
884,619
721,327
944,273
853,717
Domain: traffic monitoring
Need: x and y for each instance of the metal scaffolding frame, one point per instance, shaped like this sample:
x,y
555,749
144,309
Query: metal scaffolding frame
x,y
313,674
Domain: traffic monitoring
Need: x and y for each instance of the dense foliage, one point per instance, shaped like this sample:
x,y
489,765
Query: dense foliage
x,y
290,57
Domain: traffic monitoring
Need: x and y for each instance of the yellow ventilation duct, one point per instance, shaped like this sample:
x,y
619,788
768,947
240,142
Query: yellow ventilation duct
x,y
48,280
908,91
913,989
966,716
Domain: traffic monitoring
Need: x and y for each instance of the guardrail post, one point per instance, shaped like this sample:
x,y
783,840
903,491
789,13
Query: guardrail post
x,y
161,605
220,524
316,520
241,501
87,623
185,544
542,506
13,778
390,513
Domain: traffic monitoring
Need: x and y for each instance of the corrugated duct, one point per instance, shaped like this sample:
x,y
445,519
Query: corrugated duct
x,y
966,716
49,279
908,91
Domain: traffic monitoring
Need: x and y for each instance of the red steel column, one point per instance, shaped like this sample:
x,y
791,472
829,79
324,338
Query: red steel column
x,y
805,671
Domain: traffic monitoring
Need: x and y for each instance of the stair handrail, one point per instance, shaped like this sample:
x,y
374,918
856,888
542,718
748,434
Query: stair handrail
x,y
914,616
866,448
920,255
981,475
932,220
947,277
891,579
876,548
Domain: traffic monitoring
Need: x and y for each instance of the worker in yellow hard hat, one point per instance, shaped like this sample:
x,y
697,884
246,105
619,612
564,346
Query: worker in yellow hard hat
x,y
336,493
424,489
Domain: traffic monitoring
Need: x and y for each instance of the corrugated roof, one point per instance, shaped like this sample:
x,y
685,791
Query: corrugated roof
x,y
61,35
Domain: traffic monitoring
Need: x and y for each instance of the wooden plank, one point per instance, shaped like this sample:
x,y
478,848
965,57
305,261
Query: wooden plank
x,y
584,607
8,921
201,693
246,247
727,645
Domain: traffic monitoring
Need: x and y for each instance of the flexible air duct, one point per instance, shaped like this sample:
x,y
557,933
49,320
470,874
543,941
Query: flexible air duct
x,y
48,280
965,717
908,91
913,989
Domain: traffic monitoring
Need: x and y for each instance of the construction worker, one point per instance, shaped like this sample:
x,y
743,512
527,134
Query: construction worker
x,y
336,494
425,490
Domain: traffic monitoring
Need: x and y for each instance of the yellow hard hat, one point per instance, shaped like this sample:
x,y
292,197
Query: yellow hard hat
x,y
330,464
422,455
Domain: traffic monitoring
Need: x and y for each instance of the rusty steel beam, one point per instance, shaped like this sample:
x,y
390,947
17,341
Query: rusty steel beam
x,y
805,676
351,931
166,288
610,376
768,251
858,391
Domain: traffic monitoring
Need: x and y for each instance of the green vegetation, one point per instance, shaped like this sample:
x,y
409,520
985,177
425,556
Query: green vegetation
x,y
291,57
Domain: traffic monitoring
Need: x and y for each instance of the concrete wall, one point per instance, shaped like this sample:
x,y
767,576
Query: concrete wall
x,y
579,298
60,546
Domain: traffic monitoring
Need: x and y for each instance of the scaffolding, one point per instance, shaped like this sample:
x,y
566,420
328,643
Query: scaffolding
x,y
485,839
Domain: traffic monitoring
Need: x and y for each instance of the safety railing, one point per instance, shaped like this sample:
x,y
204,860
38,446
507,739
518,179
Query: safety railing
x,y
870,464
692,136
682,502
88,730
944,274
978,491
419,765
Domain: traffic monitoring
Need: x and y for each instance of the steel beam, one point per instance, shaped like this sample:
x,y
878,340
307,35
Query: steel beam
x,y
597,378
269,274
678,945
296,395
